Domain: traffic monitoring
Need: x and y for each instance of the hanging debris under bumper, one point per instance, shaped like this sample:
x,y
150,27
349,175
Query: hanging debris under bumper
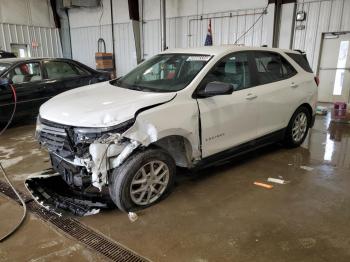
x,y
53,193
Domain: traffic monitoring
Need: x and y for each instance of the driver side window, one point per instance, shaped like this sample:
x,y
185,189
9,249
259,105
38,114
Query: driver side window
x,y
233,69
24,73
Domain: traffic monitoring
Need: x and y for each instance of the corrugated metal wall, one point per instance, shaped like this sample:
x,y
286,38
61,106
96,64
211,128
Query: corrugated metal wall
x,y
48,39
190,31
321,17
84,45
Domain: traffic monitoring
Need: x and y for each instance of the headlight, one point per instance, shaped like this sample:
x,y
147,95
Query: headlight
x,y
87,134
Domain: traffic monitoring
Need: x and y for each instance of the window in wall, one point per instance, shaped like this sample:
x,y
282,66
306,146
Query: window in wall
x,y
339,74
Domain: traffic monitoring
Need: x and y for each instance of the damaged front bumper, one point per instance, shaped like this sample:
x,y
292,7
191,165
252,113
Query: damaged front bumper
x,y
51,192
84,156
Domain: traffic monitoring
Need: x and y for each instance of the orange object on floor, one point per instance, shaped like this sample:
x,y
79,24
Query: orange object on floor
x,y
263,185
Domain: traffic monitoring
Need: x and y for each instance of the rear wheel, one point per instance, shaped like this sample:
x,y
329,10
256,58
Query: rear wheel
x,y
298,127
142,180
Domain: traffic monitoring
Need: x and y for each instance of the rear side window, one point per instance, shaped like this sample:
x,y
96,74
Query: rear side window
x,y
272,67
301,60
61,70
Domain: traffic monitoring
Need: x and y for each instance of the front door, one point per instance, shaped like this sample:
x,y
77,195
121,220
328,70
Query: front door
x,y
27,79
229,120
334,70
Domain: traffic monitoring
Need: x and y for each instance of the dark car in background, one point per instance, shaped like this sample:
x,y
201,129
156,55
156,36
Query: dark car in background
x,y
4,54
38,79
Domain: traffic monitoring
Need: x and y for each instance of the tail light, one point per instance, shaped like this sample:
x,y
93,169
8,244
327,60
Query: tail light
x,y
317,80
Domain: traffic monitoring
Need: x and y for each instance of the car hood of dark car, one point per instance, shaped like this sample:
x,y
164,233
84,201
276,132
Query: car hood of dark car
x,y
99,105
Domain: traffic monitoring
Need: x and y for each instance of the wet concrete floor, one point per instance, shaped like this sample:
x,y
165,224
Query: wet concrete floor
x,y
217,214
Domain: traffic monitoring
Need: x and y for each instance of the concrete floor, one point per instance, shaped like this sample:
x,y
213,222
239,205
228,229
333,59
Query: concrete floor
x,y
215,215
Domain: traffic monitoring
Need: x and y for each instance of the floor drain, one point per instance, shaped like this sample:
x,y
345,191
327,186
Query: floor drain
x,y
78,231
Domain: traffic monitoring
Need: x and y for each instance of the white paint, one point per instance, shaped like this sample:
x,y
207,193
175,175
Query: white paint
x,y
84,106
178,115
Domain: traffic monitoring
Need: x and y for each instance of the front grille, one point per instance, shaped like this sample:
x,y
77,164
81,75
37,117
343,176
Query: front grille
x,y
55,138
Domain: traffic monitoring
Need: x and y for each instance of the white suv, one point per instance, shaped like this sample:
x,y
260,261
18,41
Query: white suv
x,y
183,107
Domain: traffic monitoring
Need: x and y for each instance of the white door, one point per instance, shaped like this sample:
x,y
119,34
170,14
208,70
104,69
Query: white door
x,y
279,92
229,120
334,71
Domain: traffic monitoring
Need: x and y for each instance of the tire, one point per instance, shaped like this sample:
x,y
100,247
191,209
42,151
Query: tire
x,y
120,181
292,139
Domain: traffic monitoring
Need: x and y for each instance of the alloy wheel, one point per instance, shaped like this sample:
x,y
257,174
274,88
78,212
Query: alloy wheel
x,y
149,182
299,127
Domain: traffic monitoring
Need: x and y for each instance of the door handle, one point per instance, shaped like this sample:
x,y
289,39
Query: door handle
x,y
251,97
293,85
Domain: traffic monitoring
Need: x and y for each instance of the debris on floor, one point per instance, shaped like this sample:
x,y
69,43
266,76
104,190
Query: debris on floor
x,y
307,168
132,216
263,185
51,192
277,181
321,110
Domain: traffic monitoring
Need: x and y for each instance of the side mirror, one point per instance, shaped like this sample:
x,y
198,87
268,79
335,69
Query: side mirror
x,y
215,89
5,83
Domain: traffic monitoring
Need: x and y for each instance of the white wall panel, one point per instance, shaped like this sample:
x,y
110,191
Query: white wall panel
x,y
191,31
321,17
125,48
182,32
84,45
84,42
23,12
47,38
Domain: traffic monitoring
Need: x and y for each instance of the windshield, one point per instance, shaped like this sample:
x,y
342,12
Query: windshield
x,y
3,67
164,73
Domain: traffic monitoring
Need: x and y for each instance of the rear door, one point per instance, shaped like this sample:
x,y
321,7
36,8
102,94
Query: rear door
x,y
229,120
278,91
27,79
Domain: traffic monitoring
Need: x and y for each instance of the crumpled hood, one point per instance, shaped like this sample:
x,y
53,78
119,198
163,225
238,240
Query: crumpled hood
x,y
99,105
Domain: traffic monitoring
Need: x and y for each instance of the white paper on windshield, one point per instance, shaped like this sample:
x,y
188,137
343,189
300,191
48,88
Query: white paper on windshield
x,y
198,58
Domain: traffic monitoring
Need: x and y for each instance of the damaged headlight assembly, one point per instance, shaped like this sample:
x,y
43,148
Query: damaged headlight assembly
x,y
98,149
107,148
90,134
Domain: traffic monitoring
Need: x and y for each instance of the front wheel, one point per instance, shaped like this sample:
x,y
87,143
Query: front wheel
x,y
142,180
298,127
